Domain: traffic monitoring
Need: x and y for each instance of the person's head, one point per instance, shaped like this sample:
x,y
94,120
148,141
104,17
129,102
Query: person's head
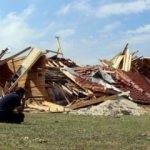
x,y
20,91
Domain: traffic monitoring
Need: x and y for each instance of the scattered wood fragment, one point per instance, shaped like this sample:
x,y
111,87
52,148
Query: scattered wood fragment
x,y
85,103
46,106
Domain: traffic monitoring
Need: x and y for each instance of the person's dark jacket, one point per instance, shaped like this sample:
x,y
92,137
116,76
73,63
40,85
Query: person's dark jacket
x,y
10,102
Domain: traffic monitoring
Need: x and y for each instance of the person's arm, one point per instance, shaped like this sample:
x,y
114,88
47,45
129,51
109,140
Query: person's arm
x,y
23,102
20,108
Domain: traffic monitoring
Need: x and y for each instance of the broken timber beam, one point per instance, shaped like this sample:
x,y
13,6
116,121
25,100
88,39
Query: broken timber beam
x,y
85,103
13,56
73,79
47,50
32,57
3,52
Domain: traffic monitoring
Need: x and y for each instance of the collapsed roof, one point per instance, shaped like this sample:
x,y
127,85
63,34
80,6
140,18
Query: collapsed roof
x,y
61,82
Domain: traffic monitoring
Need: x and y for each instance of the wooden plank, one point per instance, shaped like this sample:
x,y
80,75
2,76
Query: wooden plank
x,y
72,78
55,64
47,50
85,103
125,49
25,66
59,50
130,61
127,61
46,106
15,55
116,62
13,65
50,64
3,52
38,107
66,89
53,107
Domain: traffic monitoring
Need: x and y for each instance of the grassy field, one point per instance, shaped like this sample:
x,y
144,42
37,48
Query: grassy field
x,y
70,132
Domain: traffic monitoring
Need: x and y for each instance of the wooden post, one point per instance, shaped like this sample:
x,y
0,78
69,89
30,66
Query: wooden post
x,y
59,46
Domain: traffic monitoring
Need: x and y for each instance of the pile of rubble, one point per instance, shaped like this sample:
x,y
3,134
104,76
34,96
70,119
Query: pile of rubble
x,y
119,107
55,83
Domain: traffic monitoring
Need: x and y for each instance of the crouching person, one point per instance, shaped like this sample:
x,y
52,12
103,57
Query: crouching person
x,y
11,107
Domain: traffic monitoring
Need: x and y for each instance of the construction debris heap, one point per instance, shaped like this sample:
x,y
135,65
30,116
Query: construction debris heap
x,y
57,84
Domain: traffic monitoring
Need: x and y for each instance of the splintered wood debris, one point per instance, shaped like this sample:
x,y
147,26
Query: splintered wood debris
x,y
55,83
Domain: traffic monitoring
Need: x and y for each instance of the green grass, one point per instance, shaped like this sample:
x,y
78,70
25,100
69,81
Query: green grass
x,y
71,132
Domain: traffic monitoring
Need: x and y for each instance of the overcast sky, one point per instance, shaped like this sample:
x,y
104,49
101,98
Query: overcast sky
x,y
89,29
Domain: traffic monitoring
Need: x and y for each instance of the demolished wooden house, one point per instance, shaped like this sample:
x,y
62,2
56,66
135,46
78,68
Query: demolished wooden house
x,y
54,82
25,72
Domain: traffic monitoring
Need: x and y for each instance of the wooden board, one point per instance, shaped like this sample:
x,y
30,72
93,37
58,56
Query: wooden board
x,y
85,103
33,56
126,61
46,106
116,62
72,78
15,55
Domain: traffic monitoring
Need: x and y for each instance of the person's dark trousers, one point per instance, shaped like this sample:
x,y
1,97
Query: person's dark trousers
x,y
11,117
